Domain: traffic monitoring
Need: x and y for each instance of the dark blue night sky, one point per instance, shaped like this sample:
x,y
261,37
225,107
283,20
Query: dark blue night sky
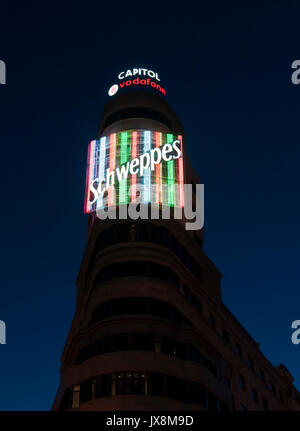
x,y
227,71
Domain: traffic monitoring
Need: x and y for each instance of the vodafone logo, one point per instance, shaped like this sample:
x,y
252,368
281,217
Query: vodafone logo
x,y
137,76
113,89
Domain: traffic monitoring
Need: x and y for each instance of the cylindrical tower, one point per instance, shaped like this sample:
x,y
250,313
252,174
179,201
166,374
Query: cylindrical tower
x,y
138,339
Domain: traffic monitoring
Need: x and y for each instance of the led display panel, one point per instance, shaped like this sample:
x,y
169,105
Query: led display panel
x,y
134,165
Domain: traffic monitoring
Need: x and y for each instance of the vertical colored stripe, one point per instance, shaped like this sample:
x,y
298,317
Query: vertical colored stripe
x,y
124,153
91,170
87,180
101,169
134,140
170,174
147,172
96,166
180,173
158,171
112,166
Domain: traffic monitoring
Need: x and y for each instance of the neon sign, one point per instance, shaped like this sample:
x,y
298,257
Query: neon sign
x,y
123,161
137,76
139,71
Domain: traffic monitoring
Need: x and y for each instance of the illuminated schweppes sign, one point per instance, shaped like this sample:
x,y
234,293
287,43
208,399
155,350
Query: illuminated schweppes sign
x,y
121,164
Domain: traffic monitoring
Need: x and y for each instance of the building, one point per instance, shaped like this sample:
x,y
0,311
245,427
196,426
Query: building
x,y
150,331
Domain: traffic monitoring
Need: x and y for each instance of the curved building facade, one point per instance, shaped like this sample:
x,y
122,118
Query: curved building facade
x,y
150,330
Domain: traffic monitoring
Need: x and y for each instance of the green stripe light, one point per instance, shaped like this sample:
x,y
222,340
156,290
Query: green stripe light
x,y
124,156
170,175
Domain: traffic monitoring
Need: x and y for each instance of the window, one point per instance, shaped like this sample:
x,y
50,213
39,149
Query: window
x,y
198,305
175,387
105,385
124,232
225,336
272,387
149,306
219,406
261,375
143,342
189,297
146,269
243,408
139,382
227,383
134,269
182,290
130,383
265,405
242,384
280,396
238,349
254,395
120,387
76,396
157,344
188,262
137,113
156,384
212,321
180,252
233,403
169,347
250,363
67,399
94,382
86,391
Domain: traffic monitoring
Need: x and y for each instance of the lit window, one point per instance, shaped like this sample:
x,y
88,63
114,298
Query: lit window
x,y
76,396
